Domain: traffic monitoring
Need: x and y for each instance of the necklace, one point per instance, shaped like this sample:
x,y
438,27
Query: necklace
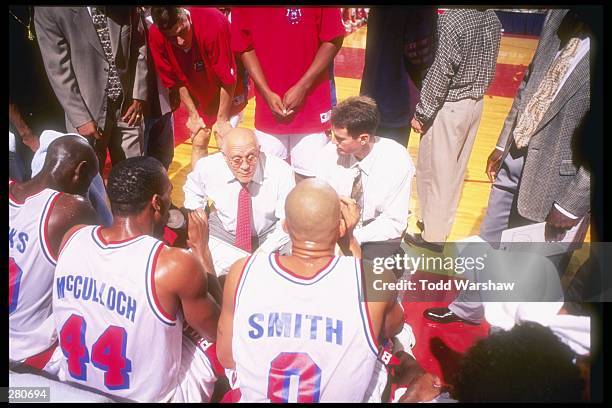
x,y
28,27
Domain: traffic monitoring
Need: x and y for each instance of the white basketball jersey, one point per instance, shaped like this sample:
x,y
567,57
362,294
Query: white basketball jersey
x,y
31,266
302,340
112,330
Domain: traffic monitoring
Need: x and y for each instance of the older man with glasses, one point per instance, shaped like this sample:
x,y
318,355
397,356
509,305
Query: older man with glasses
x,y
247,189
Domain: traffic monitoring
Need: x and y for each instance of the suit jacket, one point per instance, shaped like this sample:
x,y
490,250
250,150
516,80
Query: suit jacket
x,y
552,172
76,64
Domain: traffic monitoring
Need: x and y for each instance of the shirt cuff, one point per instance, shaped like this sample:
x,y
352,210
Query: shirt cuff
x,y
565,212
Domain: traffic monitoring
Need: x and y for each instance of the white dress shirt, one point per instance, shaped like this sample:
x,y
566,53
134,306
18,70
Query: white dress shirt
x,y
386,176
212,179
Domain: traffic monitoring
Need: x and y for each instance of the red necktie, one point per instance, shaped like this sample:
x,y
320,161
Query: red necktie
x,y
243,220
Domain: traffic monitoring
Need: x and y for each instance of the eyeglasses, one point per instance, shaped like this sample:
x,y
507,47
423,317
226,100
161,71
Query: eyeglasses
x,y
236,162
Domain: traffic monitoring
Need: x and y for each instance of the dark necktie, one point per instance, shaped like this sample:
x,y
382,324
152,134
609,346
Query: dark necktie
x,y
357,190
243,220
113,85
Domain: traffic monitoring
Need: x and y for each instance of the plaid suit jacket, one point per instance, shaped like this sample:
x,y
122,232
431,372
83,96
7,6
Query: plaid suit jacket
x,y
552,172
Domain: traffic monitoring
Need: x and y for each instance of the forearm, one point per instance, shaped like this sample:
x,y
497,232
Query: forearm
x,y
214,288
350,246
226,93
187,101
251,63
324,57
142,64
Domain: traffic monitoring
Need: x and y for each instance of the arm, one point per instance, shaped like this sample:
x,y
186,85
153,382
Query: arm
x,y
194,121
138,49
349,212
55,48
438,78
198,242
195,188
294,97
226,321
386,312
393,219
23,129
274,101
182,283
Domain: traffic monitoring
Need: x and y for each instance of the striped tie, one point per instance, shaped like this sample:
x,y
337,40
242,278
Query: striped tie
x,y
113,85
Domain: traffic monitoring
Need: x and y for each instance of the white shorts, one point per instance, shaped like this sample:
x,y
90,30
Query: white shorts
x,y
300,150
196,377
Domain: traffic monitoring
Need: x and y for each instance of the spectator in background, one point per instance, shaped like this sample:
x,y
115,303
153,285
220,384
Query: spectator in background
x,y
399,45
287,52
158,118
192,53
32,105
448,115
96,61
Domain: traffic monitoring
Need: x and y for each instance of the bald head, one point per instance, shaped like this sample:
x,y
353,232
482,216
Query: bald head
x,y
241,152
72,163
239,138
312,211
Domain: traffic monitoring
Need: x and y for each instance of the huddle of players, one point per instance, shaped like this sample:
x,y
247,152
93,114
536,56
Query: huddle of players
x,y
287,328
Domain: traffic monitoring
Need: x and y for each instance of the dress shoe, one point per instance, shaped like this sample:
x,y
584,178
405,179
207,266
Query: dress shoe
x,y
417,240
444,315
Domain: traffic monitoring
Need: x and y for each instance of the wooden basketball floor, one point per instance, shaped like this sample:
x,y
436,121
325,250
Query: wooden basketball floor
x,y
438,346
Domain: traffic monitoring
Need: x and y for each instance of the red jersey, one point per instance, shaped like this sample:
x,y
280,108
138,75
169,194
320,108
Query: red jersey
x,y
286,40
207,65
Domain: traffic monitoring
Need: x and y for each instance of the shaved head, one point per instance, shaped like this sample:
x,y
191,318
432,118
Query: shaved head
x,y
239,148
312,211
239,138
72,162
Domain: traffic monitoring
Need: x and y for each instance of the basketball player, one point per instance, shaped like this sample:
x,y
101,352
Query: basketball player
x,y
41,210
121,297
297,328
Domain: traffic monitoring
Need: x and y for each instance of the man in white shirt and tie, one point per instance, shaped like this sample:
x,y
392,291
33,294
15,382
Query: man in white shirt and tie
x,y
248,191
376,172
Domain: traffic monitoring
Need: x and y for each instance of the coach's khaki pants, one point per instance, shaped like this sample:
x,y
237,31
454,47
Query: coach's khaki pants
x,y
444,152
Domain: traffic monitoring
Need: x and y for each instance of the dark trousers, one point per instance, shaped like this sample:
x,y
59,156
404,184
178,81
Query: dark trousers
x,y
400,134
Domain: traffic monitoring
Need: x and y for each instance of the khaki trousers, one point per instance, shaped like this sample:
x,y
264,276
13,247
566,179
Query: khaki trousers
x,y
444,152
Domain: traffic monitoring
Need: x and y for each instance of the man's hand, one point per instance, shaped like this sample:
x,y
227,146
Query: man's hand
x,y
294,98
493,164
90,131
276,104
557,225
220,129
422,389
194,124
197,231
350,212
417,126
133,115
